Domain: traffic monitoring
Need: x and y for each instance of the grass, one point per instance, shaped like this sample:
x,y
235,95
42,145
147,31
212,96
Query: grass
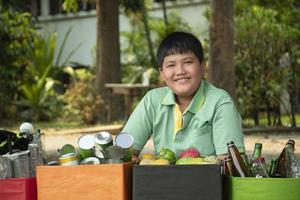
x,y
64,125
263,120
56,124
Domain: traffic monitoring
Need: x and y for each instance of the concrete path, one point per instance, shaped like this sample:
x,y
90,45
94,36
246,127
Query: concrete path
x,y
273,143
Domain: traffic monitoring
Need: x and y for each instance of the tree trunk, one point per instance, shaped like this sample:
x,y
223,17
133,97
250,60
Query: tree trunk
x,y
108,68
148,34
221,71
165,13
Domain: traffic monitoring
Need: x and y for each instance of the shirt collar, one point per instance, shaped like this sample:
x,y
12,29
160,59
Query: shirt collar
x,y
196,102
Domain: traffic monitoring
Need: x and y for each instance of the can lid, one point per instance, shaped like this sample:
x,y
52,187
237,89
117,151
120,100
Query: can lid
x,y
86,142
68,155
99,153
124,140
103,137
67,148
90,161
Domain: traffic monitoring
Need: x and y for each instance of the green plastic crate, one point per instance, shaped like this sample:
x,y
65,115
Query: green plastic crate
x,y
237,188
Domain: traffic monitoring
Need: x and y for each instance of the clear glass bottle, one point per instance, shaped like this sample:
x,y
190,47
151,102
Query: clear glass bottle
x,y
259,169
237,160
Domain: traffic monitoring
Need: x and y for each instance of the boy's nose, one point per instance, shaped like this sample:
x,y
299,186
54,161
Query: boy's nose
x,y
180,69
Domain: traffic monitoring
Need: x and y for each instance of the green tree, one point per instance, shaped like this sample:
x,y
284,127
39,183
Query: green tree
x,y
17,32
266,31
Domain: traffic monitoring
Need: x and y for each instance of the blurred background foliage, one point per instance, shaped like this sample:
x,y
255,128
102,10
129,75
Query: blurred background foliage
x,y
267,58
267,41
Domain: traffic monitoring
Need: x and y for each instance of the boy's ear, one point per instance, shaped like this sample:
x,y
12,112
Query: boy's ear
x,y
161,75
203,69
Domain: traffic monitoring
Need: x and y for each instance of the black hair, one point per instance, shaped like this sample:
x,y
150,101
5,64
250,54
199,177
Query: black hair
x,y
179,43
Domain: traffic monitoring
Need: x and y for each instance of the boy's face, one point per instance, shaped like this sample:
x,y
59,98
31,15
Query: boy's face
x,y
182,73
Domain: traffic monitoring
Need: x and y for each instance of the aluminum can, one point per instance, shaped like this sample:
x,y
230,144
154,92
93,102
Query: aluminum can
x,y
124,140
68,159
90,161
103,140
86,145
67,148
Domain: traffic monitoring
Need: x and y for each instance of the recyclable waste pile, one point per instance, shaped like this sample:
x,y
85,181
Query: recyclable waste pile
x,y
190,156
20,152
285,165
94,149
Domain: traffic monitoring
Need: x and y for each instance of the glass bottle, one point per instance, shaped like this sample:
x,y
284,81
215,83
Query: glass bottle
x,y
228,167
259,169
282,168
272,169
256,152
246,161
237,160
291,164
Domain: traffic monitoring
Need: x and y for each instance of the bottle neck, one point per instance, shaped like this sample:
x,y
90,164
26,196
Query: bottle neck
x,y
256,153
290,146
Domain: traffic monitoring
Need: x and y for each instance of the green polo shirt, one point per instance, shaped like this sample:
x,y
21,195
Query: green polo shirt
x,y
210,121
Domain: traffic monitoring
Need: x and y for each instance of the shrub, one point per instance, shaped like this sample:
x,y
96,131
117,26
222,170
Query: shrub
x,y
81,100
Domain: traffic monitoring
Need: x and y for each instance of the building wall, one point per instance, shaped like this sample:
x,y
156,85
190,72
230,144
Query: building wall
x,y
84,26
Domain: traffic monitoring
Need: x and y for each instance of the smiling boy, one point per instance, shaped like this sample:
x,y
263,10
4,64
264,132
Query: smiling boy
x,y
189,111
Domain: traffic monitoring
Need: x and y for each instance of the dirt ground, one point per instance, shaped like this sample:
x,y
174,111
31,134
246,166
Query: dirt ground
x,y
273,143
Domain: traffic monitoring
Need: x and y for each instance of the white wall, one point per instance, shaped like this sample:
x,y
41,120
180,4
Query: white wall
x,y
84,27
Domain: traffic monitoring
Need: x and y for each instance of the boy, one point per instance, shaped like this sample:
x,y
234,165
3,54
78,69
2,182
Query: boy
x,y
189,111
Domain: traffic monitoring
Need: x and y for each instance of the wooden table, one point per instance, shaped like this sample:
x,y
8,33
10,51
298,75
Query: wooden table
x,y
130,92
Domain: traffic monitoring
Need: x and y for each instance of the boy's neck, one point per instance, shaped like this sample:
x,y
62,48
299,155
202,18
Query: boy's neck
x,y
183,103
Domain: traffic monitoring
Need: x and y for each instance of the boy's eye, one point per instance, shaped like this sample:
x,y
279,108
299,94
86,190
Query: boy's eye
x,y
170,65
188,62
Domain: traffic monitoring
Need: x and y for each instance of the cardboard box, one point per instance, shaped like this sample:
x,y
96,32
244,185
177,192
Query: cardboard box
x,y
88,182
18,189
237,188
203,182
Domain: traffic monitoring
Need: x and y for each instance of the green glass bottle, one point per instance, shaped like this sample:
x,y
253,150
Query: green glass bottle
x,y
272,170
247,162
256,152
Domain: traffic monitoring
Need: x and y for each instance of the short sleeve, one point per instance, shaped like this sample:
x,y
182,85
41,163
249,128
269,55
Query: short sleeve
x,y
227,126
139,124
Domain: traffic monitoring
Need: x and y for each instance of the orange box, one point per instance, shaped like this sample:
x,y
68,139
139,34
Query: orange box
x,y
88,182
